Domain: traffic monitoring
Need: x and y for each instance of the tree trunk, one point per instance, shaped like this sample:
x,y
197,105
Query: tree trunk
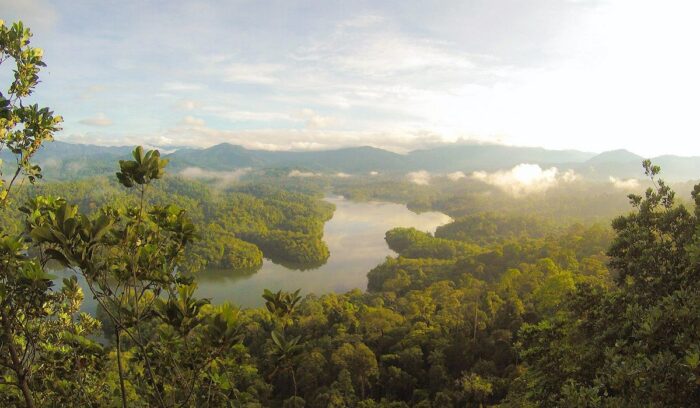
x,y
476,317
294,382
17,362
120,369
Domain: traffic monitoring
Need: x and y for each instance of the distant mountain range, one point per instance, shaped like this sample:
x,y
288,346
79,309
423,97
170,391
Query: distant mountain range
x,y
67,160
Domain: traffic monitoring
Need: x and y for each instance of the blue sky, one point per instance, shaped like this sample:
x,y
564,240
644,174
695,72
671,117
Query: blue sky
x,y
586,74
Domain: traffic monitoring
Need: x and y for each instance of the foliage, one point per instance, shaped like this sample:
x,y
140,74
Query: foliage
x,y
636,344
508,309
235,229
36,325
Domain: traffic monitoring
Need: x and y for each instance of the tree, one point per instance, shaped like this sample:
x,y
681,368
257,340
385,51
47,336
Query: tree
x,y
630,345
475,388
130,258
24,284
282,305
283,351
360,361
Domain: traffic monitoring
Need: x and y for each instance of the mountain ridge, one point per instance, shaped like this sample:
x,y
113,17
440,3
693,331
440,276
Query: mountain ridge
x,y
72,159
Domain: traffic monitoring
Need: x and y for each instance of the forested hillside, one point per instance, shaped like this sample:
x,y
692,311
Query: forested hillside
x,y
235,227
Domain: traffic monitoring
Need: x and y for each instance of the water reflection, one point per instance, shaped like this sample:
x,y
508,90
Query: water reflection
x,y
355,237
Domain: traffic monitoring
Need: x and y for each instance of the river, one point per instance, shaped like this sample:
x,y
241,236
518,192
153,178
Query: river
x,y
355,238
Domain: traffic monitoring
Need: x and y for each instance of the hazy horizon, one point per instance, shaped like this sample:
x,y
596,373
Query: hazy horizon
x,y
171,148
587,75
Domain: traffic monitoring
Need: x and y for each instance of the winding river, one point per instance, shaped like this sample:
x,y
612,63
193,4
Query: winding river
x,y
355,238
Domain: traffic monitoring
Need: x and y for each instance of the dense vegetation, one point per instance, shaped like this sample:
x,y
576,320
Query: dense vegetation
x,y
511,310
235,227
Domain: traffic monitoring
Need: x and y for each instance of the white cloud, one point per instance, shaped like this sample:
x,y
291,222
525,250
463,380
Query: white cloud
x,y
342,175
373,173
245,115
265,74
178,86
367,46
524,178
313,120
192,121
221,178
266,139
627,184
187,104
457,175
570,176
91,92
302,174
361,21
36,14
598,78
98,120
421,177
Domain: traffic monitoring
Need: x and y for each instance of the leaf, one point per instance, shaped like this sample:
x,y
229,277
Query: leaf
x,y
42,234
58,256
278,338
693,360
100,227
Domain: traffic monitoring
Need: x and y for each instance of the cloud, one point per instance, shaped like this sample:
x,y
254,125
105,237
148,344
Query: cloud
x,y
627,184
266,139
422,177
246,116
525,178
366,46
313,120
178,86
570,176
91,92
362,21
265,74
187,104
221,178
191,121
36,14
342,175
457,175
302,174
373,173
98,120
385,69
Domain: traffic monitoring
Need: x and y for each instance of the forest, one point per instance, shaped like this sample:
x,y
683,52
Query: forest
x,y
592,300
286,226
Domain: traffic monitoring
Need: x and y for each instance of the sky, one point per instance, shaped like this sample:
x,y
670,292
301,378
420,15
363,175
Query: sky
x,y
591,75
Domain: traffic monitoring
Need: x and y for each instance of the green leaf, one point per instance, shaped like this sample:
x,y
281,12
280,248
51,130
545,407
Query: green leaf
x,y
58,256
42,234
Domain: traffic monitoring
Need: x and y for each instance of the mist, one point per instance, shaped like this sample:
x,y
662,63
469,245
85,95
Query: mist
x,y
525,178
220,178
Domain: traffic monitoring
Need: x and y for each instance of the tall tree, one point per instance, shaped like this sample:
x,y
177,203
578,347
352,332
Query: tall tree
x,y
130,258
24,284
636,344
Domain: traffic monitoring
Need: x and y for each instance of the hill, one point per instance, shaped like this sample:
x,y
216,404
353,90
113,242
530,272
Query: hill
x,y
66,160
